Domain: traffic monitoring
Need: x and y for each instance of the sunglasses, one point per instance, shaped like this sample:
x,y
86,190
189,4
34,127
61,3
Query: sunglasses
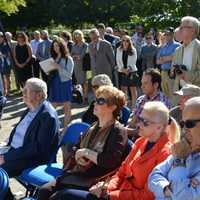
x,y
190,123
125,40
101,101
148,38
145,122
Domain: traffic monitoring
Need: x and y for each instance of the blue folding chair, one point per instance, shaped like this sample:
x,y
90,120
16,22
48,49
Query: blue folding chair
x,y
4,182
126,112
33,178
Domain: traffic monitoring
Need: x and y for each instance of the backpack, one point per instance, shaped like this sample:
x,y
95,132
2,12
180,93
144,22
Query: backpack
x,y
77,94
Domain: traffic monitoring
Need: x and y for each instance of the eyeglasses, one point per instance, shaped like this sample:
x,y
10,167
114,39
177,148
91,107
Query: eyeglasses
x,y
190,123
148,38
145,122
182,27
101,101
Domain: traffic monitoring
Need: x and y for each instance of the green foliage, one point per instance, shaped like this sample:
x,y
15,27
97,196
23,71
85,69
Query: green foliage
x,y
81,13
11,6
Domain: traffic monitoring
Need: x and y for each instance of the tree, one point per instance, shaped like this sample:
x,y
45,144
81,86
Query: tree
x,y
11,6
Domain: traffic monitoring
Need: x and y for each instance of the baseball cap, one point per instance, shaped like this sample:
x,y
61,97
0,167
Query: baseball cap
x,y
169,30
188,90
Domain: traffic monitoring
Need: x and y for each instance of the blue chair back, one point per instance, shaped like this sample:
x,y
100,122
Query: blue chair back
x,y
4,182
71,135
126,112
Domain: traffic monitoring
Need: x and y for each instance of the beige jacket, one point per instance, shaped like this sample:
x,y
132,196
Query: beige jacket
x,y
192,76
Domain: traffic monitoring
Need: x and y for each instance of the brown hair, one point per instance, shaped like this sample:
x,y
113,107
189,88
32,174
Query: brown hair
x,y
130,46
22,35
63,48
114,97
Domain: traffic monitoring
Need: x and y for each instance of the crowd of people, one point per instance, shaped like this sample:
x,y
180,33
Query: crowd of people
x,y
155,74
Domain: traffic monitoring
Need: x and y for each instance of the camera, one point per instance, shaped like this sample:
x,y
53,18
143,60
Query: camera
x,y
178,70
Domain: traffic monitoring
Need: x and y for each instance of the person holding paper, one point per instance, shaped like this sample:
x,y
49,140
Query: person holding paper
x,y
60,86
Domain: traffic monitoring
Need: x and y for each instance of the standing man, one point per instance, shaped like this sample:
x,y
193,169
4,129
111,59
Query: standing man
x,y
101,54
148,53
188,53
43,50
34,45
164,58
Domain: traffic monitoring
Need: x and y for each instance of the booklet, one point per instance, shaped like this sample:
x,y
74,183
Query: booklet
x,y
48,65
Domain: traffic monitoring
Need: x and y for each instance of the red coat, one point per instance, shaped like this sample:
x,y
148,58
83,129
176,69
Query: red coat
x,y
130,182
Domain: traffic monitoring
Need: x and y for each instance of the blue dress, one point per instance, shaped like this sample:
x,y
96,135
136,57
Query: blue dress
x,y
60,92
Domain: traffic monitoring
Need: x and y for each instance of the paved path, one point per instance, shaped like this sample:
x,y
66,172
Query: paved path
x,y
12,112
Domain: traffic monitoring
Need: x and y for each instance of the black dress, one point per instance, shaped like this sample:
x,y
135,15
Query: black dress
x,y
21,52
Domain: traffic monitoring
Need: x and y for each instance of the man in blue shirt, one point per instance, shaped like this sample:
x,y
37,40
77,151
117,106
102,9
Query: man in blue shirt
x,y
34,139
178,177
164,58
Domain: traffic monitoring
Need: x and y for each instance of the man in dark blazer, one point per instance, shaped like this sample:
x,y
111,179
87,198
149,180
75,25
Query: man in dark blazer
x,y
43,50
35,138
101,54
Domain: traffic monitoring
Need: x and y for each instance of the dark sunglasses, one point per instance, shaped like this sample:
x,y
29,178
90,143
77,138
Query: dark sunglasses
x,y
145,122
101,101
190,123
148,38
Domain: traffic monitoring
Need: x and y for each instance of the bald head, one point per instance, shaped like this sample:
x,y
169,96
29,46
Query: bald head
x,y
192,108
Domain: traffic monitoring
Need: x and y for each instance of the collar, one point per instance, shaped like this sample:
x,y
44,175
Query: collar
x,y
154,97
191,44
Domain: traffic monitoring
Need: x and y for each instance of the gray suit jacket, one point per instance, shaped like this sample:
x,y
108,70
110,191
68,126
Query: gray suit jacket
x,y
43,54
192,76
102,60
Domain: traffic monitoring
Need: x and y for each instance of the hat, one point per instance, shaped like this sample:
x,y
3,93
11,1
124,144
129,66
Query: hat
x,y
169,30
189,90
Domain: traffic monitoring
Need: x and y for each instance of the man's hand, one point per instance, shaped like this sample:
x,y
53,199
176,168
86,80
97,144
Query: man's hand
x,y
167,191
2,161
181,149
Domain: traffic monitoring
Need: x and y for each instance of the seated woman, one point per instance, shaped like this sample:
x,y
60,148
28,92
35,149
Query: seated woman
x,y
157,132
99,151
178,177
98,80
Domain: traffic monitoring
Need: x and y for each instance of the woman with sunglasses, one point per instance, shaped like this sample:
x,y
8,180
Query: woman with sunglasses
x,y
126,57
178,177
99,151
158,131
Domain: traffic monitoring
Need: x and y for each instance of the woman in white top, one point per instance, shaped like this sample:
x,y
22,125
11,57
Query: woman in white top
x,y
126,57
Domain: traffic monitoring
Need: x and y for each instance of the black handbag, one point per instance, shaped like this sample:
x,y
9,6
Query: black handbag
x,y
86,62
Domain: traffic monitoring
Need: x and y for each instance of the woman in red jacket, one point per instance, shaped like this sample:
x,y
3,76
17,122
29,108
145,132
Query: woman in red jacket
x,y
158,131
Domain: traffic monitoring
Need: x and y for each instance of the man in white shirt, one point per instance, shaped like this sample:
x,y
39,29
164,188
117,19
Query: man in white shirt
x,y
188,53
34,46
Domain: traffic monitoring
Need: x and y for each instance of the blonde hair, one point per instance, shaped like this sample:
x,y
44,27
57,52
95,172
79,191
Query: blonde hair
x,y
79,34
160,112
114,97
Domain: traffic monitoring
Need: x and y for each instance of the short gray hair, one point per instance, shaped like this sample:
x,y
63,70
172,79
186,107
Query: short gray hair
x,y
45,32
94,31
101,79
192,21
38,85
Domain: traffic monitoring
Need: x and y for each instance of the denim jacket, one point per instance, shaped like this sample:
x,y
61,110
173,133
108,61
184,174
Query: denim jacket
x,y
178,177
66,69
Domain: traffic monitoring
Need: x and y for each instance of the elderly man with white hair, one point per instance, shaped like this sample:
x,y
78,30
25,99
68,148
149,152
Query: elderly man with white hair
x,y
35,137
178,177
101,54
188,53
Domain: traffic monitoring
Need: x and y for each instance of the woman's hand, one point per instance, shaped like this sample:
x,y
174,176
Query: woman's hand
x,y
98,189
125,71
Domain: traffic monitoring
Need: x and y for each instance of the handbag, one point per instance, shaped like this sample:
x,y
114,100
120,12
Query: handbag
x,y
86,62
76,180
